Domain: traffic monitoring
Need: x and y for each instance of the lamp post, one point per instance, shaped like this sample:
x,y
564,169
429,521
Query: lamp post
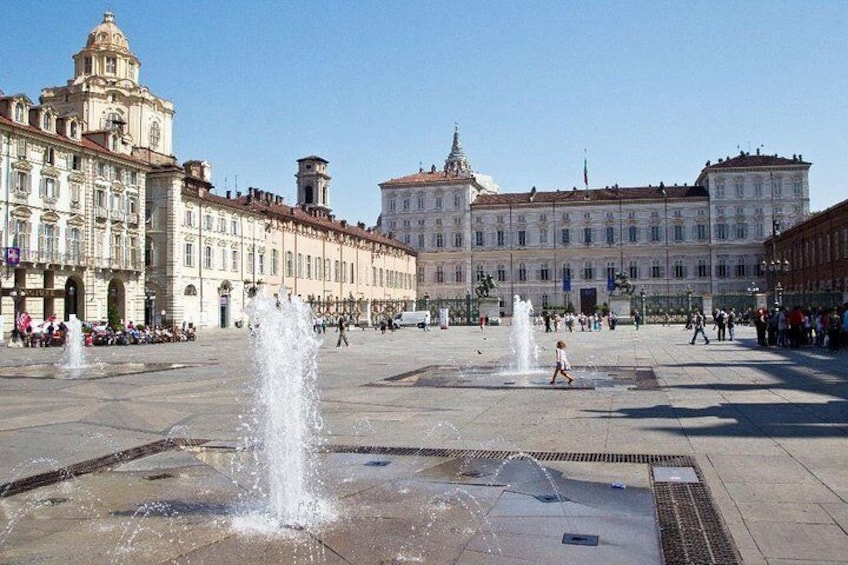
x,y
688,299
774,268
149,303
468,307
642,304
427,301
18,296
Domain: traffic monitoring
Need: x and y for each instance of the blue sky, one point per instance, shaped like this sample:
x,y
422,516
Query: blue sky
x,y
651,90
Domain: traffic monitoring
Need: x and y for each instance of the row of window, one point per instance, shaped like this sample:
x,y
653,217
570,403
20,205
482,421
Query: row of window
x,y
209,223
109,66
20,231
306,267
418,202
739,188
608,235
679,269
820,249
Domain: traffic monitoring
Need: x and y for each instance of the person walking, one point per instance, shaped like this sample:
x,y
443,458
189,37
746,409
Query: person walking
x,y
731,323
342,332
698,324
562,365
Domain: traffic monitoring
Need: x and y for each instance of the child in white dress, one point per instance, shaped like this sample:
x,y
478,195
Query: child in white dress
x,y
562,365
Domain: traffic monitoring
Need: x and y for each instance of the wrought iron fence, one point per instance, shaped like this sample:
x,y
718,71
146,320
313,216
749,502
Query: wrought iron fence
x,y
461,311
741,302
662,309
809,300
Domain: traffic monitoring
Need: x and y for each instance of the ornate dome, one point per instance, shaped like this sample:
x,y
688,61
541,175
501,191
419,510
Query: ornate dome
x,y
107,35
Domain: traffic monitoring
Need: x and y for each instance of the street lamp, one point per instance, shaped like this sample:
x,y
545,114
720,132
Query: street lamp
x,y
753,288
642,303
688,299
775,268
427,301
18,296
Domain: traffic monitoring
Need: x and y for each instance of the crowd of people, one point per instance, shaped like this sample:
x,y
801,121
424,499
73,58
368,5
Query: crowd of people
x,y
801,327
569,321
53,333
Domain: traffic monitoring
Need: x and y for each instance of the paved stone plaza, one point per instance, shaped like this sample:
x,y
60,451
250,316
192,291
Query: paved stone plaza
x,y
764,429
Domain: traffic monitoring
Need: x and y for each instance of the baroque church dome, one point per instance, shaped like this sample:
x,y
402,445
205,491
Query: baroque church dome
x,y
107,35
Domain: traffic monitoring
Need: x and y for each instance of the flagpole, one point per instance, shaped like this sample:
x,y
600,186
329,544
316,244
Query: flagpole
x,y
585,170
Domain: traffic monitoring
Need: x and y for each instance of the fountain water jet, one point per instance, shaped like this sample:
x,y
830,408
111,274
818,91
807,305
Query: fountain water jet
x,y
525,352
74,356
287,422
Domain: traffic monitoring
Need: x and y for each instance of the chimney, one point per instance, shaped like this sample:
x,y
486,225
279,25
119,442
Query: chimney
x,y
238,194
229,194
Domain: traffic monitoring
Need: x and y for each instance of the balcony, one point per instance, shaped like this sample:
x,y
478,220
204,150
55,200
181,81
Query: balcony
x,y
117,215
100,212
132,218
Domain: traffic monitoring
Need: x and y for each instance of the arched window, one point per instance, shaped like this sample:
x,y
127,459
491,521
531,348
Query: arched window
x,y
307,194
19,112
73,130
113,120
155,135
47,122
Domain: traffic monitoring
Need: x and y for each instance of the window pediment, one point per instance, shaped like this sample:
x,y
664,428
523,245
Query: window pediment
x,y
49,217
50,171
22,212
22,165
76,220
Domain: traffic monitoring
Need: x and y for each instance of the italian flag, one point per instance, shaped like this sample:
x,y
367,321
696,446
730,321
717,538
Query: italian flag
x,y
585,172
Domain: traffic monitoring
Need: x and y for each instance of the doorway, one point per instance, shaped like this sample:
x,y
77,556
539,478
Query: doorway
x,y
588,300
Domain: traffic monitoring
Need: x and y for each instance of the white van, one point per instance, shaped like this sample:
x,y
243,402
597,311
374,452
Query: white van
x,y
418,318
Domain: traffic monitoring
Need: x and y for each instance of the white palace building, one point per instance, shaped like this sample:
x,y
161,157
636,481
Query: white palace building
x,y
100,220
564,246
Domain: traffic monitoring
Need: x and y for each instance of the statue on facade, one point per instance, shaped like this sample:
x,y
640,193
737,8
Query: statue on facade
x,y
485,286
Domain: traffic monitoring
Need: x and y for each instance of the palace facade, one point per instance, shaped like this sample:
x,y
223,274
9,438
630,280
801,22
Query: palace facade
x,y
565,246
102,222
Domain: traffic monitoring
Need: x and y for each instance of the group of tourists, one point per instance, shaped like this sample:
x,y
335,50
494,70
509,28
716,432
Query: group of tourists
x,y
801,327
780,326
568,321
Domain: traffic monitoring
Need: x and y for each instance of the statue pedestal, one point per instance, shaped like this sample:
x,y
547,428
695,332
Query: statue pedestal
x,y
490,307
621,306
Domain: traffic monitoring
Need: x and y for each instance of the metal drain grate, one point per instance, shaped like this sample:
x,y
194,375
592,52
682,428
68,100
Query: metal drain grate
x,y
691,529
52,477
639,458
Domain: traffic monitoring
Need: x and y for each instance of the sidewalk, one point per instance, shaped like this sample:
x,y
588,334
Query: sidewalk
x,y
767,427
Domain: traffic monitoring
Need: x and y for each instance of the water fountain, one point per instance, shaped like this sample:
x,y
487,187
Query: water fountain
x,y
286,419
74,356
525,352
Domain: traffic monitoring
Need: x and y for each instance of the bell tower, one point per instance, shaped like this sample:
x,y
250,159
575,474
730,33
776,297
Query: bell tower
x,y
313,185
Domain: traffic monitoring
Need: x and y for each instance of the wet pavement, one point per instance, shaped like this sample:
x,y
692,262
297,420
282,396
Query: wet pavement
x,y
763,432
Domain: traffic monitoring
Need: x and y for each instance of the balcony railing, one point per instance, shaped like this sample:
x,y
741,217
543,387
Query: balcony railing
x,y
101,212
132,218
117,215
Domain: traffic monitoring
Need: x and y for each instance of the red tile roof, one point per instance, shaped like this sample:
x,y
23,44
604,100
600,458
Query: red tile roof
x,y
429,177
84,142
601,195
284,212
748,161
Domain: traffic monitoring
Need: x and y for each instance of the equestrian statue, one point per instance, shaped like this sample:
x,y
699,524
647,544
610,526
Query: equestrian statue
x,y
485,286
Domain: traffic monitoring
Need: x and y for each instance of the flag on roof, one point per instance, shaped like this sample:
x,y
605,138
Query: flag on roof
x,y
585,170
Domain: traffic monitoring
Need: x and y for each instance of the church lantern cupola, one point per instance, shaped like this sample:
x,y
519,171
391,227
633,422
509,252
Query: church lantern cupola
x,y
457,162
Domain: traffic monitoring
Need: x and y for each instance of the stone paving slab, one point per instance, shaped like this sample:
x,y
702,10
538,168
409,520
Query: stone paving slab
x,y
728,404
